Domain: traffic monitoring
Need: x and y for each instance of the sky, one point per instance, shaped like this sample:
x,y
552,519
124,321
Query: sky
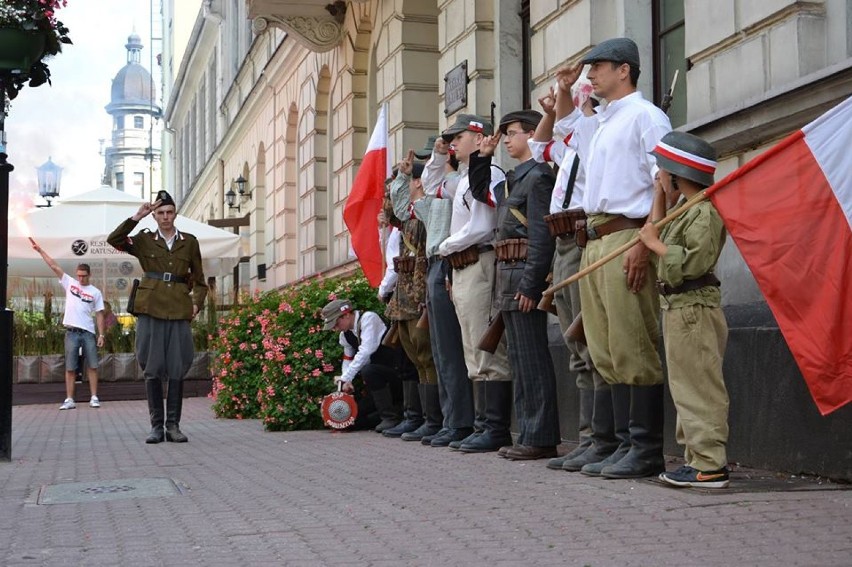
x,y
65,121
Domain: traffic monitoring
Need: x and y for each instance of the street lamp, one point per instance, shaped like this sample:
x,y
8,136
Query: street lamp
x,y
49,177
231,196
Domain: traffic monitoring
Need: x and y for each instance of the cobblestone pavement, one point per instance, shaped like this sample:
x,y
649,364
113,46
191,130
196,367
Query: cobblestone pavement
x,y
249,497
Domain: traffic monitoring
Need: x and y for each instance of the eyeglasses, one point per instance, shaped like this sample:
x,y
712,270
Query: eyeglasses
x,y
513,133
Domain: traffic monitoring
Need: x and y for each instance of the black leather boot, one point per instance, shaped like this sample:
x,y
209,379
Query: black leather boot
x,y
412,410
587,402
479,405
620,395
389,412
604,442
431,411
154,391
645,457
498,420
174,404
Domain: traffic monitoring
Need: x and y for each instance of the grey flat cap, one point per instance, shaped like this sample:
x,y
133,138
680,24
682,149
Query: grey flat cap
x,y
332,312
619,50
426,152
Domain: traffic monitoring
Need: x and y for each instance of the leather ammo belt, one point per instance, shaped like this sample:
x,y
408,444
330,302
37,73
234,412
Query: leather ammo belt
x,y
468,256
617,224
166,277
511,250
708,279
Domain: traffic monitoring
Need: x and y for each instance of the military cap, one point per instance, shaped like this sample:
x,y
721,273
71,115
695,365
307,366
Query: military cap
x,y
470,122
417,170
332,312
619,50
687,156
529,118
426,152
164,198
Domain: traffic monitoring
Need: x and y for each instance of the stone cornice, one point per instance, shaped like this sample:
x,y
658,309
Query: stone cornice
x,y
316,24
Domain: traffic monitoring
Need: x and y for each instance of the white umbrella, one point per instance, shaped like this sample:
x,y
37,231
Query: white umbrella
x,y
75,231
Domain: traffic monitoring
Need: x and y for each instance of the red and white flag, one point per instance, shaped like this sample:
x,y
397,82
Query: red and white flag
x,y
790,214
365,202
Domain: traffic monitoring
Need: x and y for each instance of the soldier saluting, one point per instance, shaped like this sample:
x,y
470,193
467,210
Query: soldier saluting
x,y
169,296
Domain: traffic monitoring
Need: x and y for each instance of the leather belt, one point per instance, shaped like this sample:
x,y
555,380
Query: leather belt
x,y
707,280
511,250
166,277
615,225
75,330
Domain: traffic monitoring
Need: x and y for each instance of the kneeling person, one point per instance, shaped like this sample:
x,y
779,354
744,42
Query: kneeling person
x,y
364,355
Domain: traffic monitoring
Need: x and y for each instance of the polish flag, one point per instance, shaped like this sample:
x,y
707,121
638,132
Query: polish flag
x,y
790,214
365,202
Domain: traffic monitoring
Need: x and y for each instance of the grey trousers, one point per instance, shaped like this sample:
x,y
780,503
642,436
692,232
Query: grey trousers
x,y
163,348
455,390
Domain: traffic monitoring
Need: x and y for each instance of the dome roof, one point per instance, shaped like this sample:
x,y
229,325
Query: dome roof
x,y
133,85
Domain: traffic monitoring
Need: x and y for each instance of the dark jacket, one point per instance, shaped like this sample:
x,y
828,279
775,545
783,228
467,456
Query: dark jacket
x,y
530,185
155,297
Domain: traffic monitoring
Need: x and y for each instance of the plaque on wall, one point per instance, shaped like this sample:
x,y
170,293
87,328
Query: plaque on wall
x,y
455,88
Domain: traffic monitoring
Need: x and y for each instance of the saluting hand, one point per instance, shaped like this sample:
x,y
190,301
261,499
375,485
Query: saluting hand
x,y
405,166
548,102
489,144
567,75
146,209
441,146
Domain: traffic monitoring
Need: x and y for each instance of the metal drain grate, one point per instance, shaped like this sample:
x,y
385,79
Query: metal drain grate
x,y
99,490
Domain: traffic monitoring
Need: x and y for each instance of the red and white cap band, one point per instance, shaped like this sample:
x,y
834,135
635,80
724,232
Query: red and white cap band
x,y
686,158
475,126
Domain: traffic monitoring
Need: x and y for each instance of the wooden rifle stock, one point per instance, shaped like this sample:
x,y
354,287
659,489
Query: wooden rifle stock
x,y
423,322
391,338
492,335
546,304
575,331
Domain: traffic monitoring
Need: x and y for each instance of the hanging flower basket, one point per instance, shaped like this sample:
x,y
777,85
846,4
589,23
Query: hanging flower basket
x,y
20,49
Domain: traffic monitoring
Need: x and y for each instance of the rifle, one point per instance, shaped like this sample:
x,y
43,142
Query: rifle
x,y
131,301
666,103
391,338
492,335
575,331
423,322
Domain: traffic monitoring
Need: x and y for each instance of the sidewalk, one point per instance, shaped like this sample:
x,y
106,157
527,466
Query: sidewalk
x,y
236,495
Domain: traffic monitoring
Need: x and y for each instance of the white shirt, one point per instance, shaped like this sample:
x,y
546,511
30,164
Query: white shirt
x,y
169,241
614,147
390,252
560,153
81,302
473,222
369,328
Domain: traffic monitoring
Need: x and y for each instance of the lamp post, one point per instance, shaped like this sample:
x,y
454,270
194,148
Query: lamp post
x,y
6,315
49,177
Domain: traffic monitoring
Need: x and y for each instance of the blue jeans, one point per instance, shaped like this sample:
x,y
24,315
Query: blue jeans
x,y
73,341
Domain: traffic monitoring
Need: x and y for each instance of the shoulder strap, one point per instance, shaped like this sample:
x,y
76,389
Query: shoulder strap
x,y
572,178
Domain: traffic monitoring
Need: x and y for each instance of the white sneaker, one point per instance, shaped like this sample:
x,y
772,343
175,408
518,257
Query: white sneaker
x,y
94,402
68,404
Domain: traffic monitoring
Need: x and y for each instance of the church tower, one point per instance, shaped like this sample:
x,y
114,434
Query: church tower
x,y
133,159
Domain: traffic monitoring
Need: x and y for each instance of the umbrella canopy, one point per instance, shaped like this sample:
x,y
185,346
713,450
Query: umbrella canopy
x,y
75,231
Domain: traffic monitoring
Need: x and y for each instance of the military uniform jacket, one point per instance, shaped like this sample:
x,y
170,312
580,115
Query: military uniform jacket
x,y
694,241
529,189
157,298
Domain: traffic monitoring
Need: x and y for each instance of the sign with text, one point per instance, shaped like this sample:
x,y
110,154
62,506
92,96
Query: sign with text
x,y
455,89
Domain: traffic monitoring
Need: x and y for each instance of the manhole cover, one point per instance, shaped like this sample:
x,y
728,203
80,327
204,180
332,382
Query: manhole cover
x,y
100,490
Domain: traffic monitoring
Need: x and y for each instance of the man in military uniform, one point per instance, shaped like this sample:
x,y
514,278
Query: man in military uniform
x,y
170,295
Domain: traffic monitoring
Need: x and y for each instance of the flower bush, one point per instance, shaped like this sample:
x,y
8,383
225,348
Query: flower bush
x,y
33,16
271,358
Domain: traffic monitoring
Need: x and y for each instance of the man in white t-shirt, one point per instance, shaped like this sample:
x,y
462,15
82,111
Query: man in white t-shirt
x,y
81,300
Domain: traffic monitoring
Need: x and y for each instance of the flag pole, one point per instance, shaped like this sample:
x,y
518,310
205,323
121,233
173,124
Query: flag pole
x,y
691,202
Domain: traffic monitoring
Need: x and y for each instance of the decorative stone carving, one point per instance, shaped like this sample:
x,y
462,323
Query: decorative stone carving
x,y
317,34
